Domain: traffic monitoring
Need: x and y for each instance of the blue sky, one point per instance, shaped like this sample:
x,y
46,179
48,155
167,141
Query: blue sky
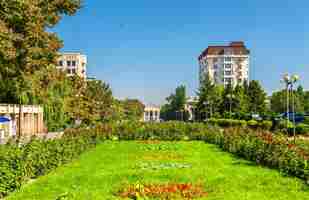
x,y
144,49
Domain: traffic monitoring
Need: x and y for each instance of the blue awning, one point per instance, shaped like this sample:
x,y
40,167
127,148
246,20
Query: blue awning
x,y
4,119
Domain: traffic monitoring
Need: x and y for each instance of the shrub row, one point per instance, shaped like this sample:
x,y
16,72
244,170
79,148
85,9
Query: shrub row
x,y
19,164
264,148
266,125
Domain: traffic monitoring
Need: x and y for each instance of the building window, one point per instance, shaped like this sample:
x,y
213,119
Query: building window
x,y
60,63
228,81
228,59
215,60
228,66
215,66
69,71
68,63
73,63
228,73
73,71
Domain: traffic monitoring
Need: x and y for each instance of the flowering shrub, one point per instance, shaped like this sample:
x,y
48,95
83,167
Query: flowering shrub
x,y
163,191
264,148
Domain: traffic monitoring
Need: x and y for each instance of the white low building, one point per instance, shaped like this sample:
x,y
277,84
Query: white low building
x,y
152,114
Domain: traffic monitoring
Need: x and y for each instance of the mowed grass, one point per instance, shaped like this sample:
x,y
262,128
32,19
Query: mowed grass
x,y
101,172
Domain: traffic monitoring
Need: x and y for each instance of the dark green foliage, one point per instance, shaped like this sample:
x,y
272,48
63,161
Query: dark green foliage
x,y
210,98
278,102
133,109
227,122
19,164
306,120
302,128
175,107
256,97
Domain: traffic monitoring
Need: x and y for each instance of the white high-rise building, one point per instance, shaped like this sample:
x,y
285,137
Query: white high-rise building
x,y
73,64
225,64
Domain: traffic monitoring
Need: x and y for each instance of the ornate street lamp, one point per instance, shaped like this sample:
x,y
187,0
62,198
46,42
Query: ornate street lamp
x,y
286,79
294,79
290,81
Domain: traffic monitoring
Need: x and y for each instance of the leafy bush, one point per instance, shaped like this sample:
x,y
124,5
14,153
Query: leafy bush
x,y
18,164
266,125
302,128
227,122
306,120
253,124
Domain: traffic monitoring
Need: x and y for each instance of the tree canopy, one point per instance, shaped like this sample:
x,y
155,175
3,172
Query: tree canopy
x,y
26,46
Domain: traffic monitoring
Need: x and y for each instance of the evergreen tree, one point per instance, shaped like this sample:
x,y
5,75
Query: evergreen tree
x,y
256,97
306,102
228,104
241,100
209,96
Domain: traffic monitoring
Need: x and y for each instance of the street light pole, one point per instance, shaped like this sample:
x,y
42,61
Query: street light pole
x,y
286,79
295,78
290,81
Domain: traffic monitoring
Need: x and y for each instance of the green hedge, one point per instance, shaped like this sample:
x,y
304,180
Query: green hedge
x,y
18,164
36,158
226,123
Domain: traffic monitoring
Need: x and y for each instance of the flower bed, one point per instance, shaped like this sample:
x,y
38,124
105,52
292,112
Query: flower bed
x,y
162,165
163,191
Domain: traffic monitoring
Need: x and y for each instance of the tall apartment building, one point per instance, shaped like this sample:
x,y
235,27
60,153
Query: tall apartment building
x,y
73,64
225,64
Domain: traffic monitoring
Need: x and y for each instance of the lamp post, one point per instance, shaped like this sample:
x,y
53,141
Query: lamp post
x,y
286,80
290,81
294,79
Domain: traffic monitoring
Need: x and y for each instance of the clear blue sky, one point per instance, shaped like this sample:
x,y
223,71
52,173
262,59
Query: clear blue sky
x,y
145,49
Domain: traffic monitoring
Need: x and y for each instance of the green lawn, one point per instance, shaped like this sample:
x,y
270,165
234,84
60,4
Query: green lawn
x,y
99,173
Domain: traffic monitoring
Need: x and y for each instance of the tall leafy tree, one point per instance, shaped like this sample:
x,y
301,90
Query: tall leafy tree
x,y
257,97
229,102
90,102
133,109
278,101
178,99
100,95
50,88
175,107
241,100
26,45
